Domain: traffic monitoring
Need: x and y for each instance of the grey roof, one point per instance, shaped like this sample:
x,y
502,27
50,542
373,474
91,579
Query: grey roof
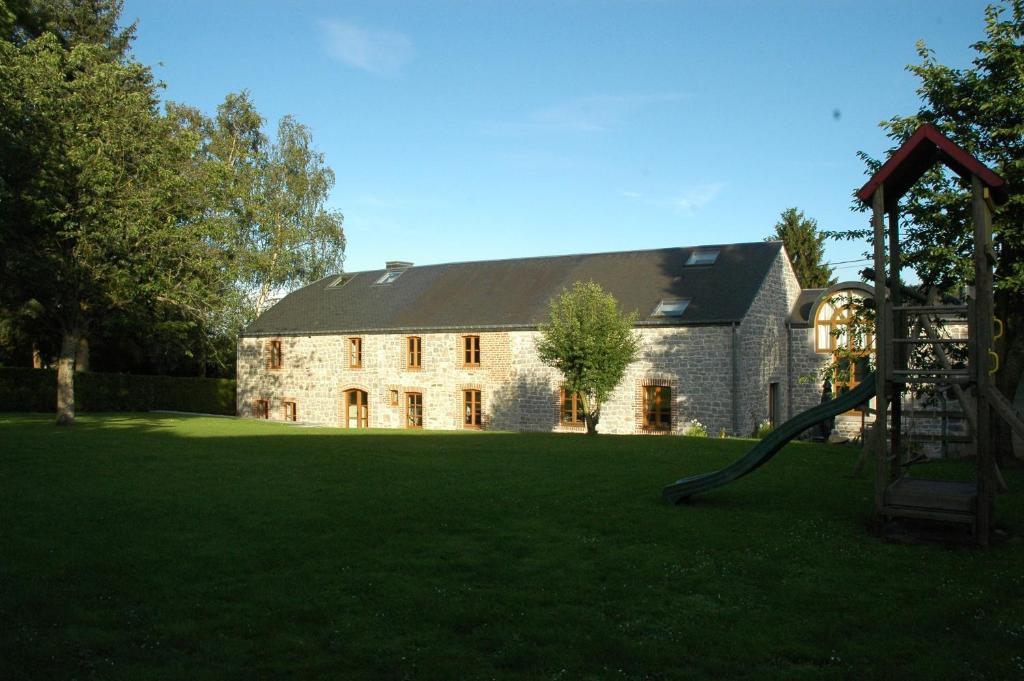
x,y
801,314
511,294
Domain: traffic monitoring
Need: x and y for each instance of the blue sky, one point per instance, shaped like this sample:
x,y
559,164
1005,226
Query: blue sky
x,y
482,130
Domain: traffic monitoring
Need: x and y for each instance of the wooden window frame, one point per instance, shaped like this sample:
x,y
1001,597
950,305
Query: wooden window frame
x,y
471,351
472,408
362,414
294,410
413,352
261,408
393,397
659,410
355,352
575,412
275,358
410,419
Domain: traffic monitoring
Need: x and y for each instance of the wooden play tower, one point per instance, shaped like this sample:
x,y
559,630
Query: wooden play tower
x,y
904,321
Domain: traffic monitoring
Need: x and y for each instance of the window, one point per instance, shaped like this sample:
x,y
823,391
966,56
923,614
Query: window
x,y
290,411
658,407
357,413
262,409
394,397
413,355
471,351
471,409
702,258
389,277
671,308
773,404
837,330
275,354
355,353
572,409
413,410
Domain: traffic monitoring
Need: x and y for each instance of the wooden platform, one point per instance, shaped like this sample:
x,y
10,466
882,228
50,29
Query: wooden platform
x,y
941,500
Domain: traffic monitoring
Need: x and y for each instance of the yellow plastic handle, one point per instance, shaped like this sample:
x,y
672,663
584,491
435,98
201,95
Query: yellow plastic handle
x,y
999,323
995,360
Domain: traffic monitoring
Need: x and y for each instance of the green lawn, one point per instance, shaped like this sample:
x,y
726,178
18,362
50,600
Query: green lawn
x,y
168,547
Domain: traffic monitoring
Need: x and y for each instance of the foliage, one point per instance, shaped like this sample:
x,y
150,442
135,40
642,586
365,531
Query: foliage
x,y
34,390
235,549
156,237
695,429
268,202
763,428
590,342
805,247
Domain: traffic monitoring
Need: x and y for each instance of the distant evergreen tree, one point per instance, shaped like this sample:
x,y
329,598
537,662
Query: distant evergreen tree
x,y
805,246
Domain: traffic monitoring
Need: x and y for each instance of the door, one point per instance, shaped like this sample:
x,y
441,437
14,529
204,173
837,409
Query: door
x,y
357,414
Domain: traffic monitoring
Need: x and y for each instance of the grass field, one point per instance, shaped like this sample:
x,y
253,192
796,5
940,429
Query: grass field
x,y
171,547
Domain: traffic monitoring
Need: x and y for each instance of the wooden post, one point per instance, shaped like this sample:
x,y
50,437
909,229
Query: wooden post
x,y
983,313
897,358
882,346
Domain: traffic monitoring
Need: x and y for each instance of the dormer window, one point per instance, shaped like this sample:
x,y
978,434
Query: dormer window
x,y
702,258
671,308
389,277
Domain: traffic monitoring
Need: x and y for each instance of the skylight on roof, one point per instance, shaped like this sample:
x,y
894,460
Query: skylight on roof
x,y
340,280
671,308
389,277
703,257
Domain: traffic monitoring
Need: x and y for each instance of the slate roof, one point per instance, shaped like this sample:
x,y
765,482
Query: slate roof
x,y
514,294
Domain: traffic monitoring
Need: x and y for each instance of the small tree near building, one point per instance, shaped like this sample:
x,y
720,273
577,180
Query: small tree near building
x,y
591,342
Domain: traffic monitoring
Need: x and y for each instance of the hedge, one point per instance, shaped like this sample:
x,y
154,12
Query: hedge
x,y
36,390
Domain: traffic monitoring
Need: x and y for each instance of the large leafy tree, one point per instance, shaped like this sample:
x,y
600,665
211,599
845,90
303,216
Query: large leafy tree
x,y
805,247
90,179
591,343
268,203
981,108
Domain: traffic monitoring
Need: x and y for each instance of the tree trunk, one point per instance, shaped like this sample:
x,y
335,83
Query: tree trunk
x,y
591,424
37,357
82,355
66,378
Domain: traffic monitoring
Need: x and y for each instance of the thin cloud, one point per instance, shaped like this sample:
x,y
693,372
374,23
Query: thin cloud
x,y
694,198
689,201
380,52
596,113
592,114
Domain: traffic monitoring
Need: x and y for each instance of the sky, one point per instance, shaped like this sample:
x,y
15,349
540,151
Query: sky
x,y
482,130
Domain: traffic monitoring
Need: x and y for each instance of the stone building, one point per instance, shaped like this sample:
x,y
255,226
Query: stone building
x,y
727,339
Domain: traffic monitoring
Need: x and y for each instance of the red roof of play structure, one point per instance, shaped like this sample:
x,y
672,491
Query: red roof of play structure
x,y
926,147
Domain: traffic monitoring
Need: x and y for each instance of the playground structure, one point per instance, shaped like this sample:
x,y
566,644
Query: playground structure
x,y
903,322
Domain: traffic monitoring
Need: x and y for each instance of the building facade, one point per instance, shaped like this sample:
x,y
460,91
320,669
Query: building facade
x,y
726,339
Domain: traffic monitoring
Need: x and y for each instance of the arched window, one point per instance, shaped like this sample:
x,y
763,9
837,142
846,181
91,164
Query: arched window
x,y
357,413
842,329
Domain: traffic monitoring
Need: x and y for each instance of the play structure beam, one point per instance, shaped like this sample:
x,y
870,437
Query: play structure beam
x,y
881,343
983,312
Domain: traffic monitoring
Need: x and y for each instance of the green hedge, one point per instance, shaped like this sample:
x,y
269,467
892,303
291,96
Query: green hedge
x,y
36,390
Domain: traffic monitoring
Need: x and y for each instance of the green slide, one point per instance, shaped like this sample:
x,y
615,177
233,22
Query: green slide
x,y
683,489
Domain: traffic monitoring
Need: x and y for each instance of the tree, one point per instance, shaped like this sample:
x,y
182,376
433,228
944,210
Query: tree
x,y
590,342
89,180
805,247
268,202
981,108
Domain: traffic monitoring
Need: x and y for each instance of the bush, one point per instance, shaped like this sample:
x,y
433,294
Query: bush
x,y
763,428
36,390
695,429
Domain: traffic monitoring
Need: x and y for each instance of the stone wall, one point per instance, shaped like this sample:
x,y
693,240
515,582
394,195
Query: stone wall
x,y
764,347
518,391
